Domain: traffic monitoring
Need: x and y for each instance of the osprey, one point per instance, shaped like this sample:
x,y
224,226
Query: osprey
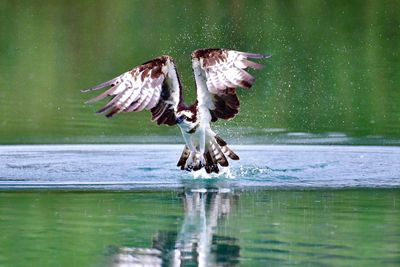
x,y
155,86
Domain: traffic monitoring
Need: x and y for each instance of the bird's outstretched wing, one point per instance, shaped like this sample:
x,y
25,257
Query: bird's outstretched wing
x,y
222,71
154,86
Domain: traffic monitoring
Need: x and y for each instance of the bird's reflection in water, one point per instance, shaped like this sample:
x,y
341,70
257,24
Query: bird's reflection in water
x,y
197,242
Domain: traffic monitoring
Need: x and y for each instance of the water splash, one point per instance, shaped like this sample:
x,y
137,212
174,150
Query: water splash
x,y
251,171
225,172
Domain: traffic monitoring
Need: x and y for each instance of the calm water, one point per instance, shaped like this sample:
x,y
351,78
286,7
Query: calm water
x,y
190,227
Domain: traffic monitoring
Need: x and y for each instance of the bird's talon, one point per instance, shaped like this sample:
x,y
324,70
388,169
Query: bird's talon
x,y
189,168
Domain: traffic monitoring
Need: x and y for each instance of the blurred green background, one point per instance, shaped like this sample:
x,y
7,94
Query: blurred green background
x,y
335,65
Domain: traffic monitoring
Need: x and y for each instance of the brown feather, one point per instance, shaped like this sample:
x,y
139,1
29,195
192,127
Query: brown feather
x,y
223,71
229,152
115,110
225,149
149,86
158,110
144,74
167,116
185,155
211,165
218,155
245,84
226,106
219,140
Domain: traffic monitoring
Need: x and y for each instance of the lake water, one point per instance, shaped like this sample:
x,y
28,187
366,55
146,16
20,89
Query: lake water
x,y
352,227
116,205
154,167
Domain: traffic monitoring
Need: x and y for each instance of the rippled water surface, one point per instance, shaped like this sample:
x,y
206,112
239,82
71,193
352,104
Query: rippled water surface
x,y
154,166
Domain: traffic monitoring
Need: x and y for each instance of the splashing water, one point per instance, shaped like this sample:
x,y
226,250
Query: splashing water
x,y
134,166
224,173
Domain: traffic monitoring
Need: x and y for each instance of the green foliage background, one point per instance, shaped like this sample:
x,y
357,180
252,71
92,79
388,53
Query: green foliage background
x,y
335,64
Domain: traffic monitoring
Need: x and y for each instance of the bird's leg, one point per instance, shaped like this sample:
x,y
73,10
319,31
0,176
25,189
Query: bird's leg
x,y
190,162
202,144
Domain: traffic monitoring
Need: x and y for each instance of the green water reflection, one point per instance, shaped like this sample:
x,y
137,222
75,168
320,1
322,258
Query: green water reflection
x,y
274,228
335,64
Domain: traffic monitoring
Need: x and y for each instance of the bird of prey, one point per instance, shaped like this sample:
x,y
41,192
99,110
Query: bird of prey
x,y
155,86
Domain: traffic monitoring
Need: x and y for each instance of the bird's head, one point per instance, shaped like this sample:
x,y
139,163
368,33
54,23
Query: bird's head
x,y
184,117
186,120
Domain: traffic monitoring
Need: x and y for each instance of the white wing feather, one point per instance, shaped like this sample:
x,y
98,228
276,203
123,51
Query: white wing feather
x,y
153,85
218,72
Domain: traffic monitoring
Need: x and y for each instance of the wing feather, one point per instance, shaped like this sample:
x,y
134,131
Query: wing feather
x,y
218,73
251,64
154,97
226,81
111,82
154,85
102,95
146,100
133,103
109,105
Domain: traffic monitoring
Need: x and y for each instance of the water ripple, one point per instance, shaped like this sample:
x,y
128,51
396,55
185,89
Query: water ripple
x,y
134,166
